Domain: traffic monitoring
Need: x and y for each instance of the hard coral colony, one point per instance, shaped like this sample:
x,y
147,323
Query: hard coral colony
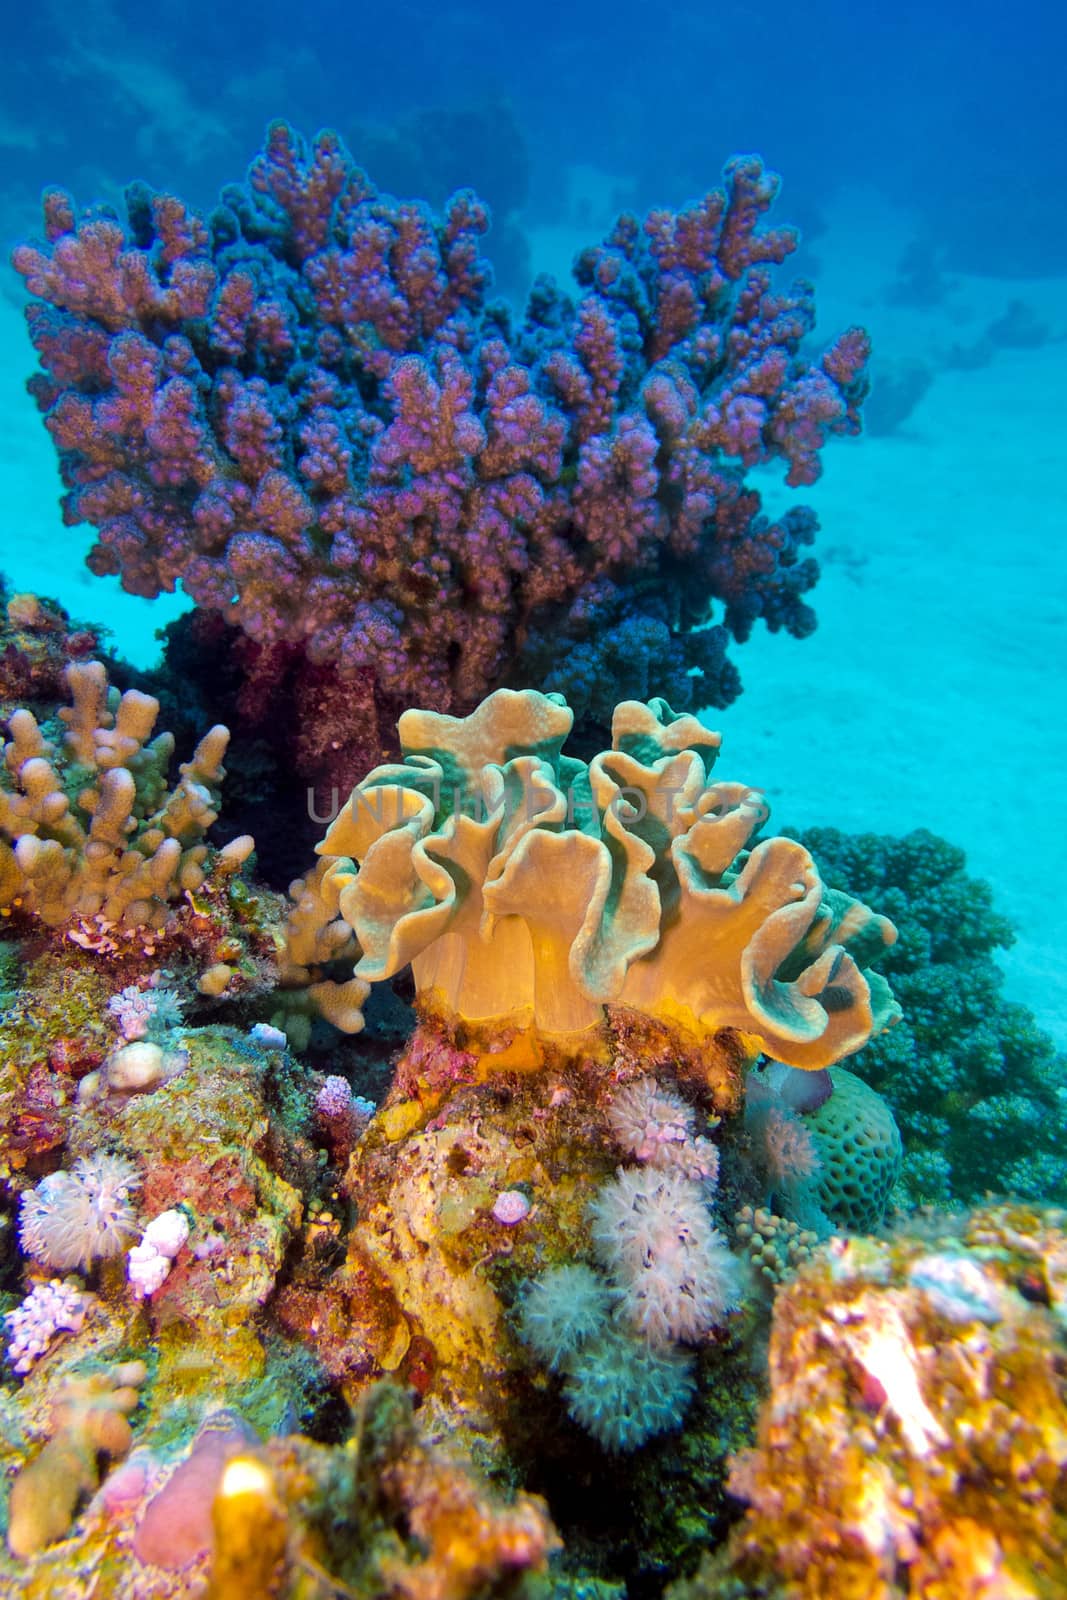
x,y
306,408
501,1151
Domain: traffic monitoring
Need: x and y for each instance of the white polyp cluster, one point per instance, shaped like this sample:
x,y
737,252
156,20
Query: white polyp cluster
x,y
148,1264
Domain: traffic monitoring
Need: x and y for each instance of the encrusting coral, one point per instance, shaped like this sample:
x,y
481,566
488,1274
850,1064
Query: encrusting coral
x,y
520,882
914,1440
91,839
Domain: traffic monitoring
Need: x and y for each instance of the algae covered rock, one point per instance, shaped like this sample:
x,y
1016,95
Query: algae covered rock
x,y
211,1145
914,1441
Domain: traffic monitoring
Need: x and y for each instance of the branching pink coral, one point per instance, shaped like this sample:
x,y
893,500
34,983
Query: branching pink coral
x,y
144,1011
49,1309
305,410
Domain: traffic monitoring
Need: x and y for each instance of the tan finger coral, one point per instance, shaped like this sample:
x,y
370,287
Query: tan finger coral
x,y
88,1421
88,826
521,883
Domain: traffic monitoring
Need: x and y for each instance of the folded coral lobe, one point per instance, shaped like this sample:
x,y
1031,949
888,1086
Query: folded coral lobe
x,y
523,884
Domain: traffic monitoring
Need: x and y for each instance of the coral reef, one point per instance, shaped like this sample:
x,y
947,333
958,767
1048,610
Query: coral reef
x,y
520,882
318,1341
503,1326
305,408
912,1444
231,1517
221,1176
975,1085
99,855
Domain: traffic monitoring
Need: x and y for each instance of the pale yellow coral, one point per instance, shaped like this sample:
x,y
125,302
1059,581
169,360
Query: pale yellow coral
x,y
88,827
88,1421
521,883
317,936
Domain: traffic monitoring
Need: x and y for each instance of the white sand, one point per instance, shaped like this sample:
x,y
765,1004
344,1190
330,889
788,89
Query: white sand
x,y
934,693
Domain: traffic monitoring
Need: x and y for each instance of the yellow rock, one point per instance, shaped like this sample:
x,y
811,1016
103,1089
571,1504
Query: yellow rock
x,y
215,979
251,1534
397,1349
400,1120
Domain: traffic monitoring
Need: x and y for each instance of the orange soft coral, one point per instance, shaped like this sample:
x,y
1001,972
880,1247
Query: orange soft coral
x,y
521,883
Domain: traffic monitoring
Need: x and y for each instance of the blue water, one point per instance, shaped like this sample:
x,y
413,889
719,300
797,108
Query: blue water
x,y
955,111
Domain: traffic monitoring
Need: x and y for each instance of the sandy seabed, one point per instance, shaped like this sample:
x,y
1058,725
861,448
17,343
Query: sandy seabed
x,y
934,692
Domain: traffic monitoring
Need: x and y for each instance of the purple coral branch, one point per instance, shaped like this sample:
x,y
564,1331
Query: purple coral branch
x,y
302,408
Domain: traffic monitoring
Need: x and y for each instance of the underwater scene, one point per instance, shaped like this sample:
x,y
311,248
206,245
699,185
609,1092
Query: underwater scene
x,y
533,878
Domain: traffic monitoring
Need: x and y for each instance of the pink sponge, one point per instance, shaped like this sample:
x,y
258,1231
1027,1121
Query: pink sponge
x,y
176,1526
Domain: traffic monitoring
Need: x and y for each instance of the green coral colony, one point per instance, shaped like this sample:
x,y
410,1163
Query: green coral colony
x,y
548,1195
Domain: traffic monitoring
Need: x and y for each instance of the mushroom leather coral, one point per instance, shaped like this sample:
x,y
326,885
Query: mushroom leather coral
x,y
519,881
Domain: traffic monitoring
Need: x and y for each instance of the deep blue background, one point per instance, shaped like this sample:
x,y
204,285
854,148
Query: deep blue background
x,y
954,110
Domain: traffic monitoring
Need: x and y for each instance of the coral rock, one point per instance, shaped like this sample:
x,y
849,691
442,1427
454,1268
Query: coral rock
x,y
933,1434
